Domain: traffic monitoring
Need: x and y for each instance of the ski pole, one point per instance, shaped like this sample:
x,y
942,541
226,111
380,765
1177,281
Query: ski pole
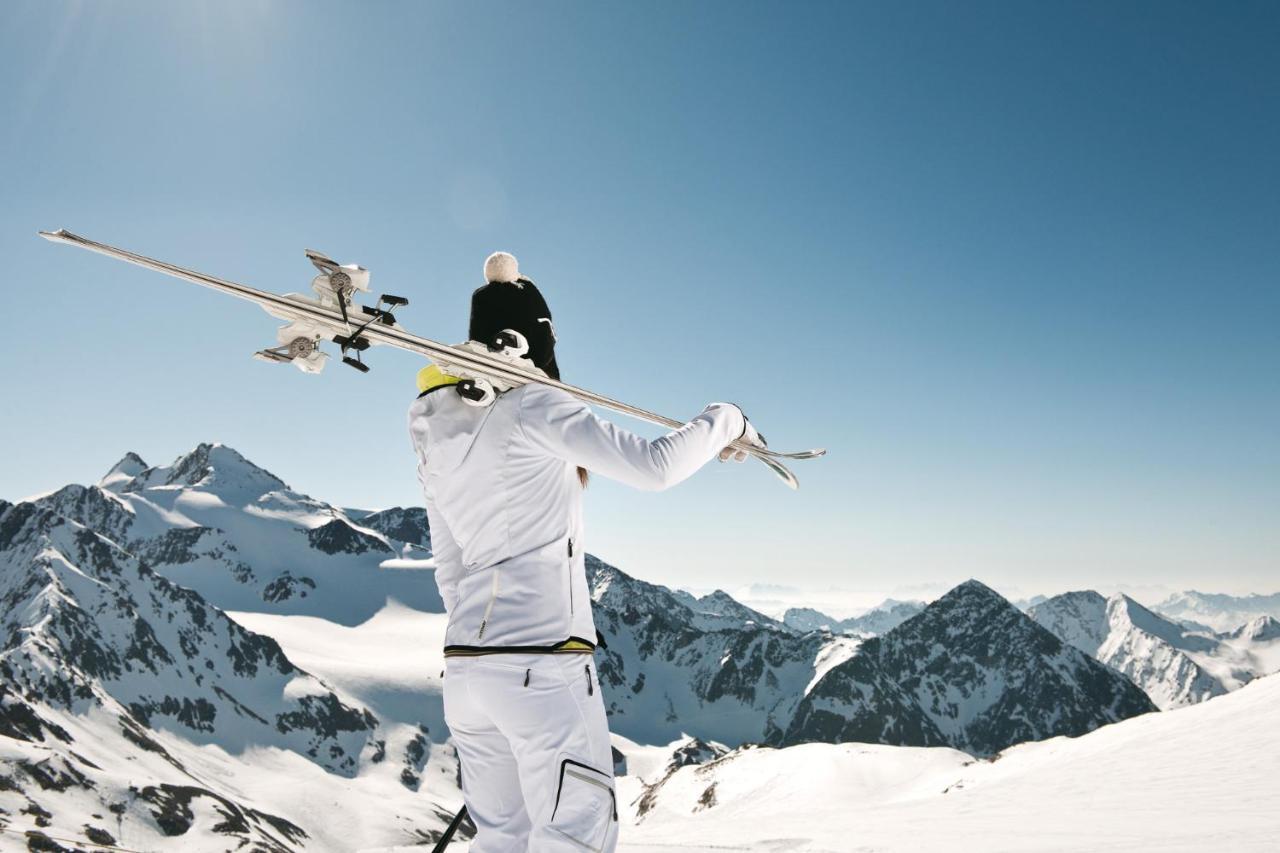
x,y
450,830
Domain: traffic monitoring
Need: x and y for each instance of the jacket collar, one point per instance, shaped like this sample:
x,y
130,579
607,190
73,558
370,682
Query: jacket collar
x,y
432,377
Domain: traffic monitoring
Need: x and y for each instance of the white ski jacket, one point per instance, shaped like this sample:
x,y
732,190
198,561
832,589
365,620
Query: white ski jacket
x,y
505,506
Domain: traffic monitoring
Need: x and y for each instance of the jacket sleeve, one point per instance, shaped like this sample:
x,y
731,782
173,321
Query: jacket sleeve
x,y
447,556
444,548
561,425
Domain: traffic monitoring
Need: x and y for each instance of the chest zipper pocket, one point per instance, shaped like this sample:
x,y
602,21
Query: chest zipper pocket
x,y
488,610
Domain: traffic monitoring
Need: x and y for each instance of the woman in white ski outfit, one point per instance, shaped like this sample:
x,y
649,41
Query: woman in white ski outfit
x,y
503,485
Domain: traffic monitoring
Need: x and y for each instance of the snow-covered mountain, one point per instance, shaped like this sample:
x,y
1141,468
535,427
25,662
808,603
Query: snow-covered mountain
x,y
1220,612
132,710
87,624
1175,666
232,531
1259,629
808,619
883,617
1203,778
879,619
185,636
718,609
970,671
669,670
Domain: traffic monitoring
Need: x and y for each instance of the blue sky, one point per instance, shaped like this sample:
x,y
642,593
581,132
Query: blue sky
x,y
1017,265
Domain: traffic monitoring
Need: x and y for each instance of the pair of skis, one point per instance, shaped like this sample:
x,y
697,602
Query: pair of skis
x,y
356,332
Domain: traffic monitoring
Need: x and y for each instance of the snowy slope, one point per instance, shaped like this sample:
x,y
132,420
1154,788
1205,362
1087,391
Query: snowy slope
x,y
1205,777
391,663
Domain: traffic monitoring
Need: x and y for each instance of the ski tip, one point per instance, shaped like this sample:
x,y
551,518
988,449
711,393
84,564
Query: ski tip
x,y
782,472
57,236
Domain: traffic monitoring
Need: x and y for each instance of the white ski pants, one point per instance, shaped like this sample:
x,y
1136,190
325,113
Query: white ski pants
x,y
533,739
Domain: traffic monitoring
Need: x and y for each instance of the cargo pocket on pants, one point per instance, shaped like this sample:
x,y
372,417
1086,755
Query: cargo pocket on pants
x,y
586,806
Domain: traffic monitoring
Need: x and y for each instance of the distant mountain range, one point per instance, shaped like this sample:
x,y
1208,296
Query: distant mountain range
x,y
145,695
969,671
1223,613
879,619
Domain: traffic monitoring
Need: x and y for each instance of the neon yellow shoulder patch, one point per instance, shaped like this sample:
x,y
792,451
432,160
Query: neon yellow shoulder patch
x,y
432,376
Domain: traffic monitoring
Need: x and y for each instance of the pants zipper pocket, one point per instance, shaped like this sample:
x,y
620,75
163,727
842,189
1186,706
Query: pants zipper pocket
x,y
590,687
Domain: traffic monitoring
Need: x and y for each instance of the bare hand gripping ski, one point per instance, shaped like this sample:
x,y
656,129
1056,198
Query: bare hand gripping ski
x,y
334,315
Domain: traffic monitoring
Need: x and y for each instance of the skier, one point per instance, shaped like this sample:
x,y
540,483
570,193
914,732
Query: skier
x,y
503,480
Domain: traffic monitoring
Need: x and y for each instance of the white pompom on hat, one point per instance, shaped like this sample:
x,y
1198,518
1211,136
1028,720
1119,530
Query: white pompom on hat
x,y
501,267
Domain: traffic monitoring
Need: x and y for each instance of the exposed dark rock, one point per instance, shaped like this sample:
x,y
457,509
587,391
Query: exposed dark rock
x,y
171,809
404,524
173,547
38,841
339,537
99,836
286,586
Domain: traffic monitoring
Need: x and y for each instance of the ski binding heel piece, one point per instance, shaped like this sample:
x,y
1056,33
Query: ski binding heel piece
x,y
476,392
509,344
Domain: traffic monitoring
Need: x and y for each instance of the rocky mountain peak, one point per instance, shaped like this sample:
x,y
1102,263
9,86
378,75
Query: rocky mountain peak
x,y
808,619
720,603
1172,664
212,467
975,590
222,463
406,524
1085,597
1080,618
970,604
970,671
1261,629
1124,611
130,466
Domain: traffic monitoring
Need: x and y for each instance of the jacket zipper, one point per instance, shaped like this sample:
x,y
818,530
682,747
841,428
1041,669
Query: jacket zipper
x,y
488,610
570,573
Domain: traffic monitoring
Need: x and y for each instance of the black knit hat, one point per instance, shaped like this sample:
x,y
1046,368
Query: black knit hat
x,y
509,301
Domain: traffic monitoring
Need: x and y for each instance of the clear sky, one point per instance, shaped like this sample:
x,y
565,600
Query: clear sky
x,y
1017,265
